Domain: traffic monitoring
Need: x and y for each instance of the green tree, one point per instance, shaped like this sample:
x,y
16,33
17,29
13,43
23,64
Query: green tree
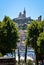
x,y
40,43
33,31
8,35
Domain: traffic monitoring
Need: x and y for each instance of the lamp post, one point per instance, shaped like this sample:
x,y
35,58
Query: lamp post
x,y
18,53
13,52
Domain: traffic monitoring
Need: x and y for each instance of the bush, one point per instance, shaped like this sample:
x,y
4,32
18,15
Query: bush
x,y
29,62
0,54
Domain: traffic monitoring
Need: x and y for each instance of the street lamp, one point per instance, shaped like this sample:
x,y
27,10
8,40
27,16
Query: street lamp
x,y
13,52
18,53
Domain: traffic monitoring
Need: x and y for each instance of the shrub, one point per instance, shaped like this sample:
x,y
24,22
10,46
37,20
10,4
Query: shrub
x,y
0,54
29,62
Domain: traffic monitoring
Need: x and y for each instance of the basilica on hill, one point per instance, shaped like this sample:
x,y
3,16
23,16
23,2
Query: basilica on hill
x,y
22,19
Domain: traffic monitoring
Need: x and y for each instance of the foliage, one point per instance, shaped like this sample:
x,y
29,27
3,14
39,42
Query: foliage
x,y
1,55
33,31
8,35
30,62
40,42
23,26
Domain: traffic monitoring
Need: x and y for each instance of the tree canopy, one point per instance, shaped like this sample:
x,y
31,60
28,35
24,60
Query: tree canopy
x,y
33,31
40,42
8,35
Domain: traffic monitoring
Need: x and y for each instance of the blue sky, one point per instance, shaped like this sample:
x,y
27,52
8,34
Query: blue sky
x,y
11,8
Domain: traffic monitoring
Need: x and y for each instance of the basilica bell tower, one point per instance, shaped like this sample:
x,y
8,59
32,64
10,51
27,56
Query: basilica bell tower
x,y
24,12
